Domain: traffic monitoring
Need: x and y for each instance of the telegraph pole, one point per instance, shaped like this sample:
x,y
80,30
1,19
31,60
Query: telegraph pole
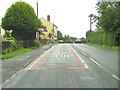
x,y
37,8
90,21
37,33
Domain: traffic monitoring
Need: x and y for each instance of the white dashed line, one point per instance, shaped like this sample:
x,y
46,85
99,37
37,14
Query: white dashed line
x,y
95,62
116,77
86,66
82,61
56,55
84,53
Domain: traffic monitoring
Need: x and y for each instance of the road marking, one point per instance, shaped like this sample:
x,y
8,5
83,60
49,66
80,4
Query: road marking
x,y
95,62
13,75
116,77
84,53
56,55
40,58
67,55
82,61
64,55
6,81
86,66
79,57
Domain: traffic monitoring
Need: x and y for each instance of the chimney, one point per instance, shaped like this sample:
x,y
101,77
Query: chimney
x,y
48,18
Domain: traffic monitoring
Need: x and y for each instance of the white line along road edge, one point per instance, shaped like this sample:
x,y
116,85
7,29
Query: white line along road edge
x,y
79,57
116,77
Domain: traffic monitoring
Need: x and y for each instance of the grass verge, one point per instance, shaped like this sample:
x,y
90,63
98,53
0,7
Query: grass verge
x,y
109,47
14,53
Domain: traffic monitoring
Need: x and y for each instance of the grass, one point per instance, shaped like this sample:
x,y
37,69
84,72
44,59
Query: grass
x,y
15,53
109,47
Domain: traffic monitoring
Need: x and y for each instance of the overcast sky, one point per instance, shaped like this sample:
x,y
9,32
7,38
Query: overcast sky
x,y
71,16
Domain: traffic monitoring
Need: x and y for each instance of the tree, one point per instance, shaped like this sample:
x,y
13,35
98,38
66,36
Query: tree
x,y
21,18
59,35
109,16
88,32
109,19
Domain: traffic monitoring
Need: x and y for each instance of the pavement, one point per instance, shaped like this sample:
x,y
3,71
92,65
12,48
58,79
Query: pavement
x,y
12,65
67,66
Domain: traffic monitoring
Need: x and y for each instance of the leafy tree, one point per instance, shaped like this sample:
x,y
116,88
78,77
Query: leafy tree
x,y
59,35
21,18
83,40
88,32
109,16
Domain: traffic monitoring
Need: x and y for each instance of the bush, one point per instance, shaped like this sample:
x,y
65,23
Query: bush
x,y
100,37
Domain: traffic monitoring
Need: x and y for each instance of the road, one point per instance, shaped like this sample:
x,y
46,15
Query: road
x,y
69,66
12,65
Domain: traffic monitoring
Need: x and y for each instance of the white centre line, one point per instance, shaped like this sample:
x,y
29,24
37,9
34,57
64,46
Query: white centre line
x,y
84,53
95,62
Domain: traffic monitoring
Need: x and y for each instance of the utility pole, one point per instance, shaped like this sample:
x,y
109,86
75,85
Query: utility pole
x,y
90,21
53,26
37,33
37,8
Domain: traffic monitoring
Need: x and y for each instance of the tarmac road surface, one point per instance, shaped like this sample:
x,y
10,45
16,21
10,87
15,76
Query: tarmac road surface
x,y
68,66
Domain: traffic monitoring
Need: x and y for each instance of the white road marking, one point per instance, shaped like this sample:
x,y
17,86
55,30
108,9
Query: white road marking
x,y
80,58
6,81
67,55
64,55
86,66
13,75
95,62
116,77
56,55
82,61
84,53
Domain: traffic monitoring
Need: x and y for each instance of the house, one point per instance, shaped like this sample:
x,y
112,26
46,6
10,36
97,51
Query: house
x,y
2,32
51,29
